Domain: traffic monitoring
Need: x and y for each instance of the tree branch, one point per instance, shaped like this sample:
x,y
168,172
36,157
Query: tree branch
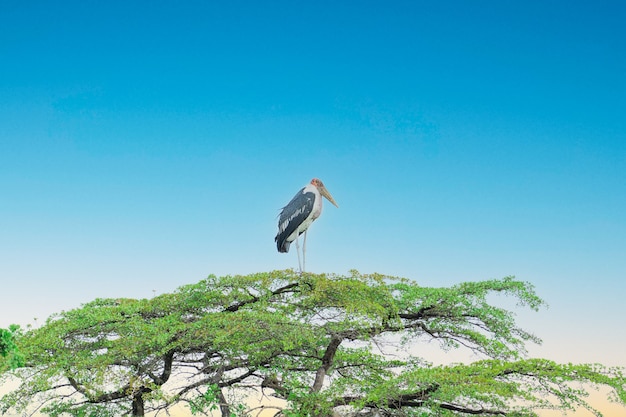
x,y
473,411
254,298
327,361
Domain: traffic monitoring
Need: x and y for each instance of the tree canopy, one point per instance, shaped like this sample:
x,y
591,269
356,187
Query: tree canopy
x,y
320,344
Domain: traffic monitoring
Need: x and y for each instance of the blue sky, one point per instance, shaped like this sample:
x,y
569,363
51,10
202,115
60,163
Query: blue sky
x,y
145,145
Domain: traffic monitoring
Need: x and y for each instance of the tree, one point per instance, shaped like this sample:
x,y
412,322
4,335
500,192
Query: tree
x,y
321,344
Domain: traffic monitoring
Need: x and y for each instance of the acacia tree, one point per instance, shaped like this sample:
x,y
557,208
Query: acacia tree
x,y
321,344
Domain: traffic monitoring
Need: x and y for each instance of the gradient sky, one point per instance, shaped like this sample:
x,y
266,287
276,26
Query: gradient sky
x,y
145,145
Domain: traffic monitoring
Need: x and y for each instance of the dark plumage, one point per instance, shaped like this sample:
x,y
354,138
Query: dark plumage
x,y
291,216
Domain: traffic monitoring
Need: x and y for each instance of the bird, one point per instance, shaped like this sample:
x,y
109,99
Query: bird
x,y
296,217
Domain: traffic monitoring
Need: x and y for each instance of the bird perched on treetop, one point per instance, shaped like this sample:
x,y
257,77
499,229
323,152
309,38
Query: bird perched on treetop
x,y
296,217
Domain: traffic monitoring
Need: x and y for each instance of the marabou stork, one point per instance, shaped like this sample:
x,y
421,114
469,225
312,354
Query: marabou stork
x,y
296,217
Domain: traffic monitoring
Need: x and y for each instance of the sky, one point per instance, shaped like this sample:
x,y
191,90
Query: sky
x,y
146,145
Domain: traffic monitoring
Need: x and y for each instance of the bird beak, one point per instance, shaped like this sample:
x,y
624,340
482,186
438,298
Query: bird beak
x,y
326,194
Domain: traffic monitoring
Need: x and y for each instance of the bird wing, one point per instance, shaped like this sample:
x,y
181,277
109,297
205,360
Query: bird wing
x,y
292,216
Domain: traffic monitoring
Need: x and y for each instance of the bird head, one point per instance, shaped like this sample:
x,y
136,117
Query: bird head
x,y
323,191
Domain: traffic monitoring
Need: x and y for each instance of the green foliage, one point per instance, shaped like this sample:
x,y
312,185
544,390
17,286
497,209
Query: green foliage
x,y
10,357
321,343
59,409
208,401
461,315
212,400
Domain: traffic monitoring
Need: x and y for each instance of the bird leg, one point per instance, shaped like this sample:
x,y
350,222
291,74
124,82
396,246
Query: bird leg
x,y
298,252
304,252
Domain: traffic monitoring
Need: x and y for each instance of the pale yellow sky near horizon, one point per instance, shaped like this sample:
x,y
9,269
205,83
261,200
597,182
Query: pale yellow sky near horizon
x,y
559,344
550,349
598,399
